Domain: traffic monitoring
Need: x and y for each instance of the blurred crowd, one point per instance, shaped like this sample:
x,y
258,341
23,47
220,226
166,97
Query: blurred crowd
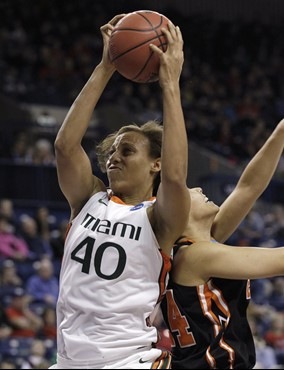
x,y
233,97
264,227
31,250
232,84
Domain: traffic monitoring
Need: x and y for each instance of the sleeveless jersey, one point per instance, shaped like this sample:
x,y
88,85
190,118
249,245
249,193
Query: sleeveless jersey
x,y
209,325
113,275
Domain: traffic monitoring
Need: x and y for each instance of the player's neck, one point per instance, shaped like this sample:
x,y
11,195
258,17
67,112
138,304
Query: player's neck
x,y
134,198
199,230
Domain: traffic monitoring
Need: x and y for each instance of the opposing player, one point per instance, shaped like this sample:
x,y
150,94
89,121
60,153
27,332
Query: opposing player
x,y
117,250
208,294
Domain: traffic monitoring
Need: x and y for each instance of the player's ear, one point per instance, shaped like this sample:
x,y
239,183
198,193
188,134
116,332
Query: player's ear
x,y
156,165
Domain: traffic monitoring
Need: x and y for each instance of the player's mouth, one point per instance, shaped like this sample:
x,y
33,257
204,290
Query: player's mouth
x,y
207,200
114,168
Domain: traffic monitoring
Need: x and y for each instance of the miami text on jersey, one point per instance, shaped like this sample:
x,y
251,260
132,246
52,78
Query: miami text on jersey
x,y
106,227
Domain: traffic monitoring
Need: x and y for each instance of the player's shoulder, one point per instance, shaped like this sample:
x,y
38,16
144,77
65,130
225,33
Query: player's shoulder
x,y
192,260
98,186
188,249
90,203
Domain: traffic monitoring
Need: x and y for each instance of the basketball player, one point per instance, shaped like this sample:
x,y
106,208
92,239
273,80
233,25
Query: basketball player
x,y
208,294
117,249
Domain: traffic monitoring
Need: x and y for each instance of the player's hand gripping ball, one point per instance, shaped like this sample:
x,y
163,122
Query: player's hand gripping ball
x,y
129,45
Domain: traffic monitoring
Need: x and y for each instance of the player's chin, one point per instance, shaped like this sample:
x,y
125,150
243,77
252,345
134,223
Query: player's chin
x,y
212,206
216,208
114,175
117,183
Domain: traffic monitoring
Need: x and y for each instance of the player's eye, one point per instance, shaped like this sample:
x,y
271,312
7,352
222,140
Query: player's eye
x,y
127,151
110,153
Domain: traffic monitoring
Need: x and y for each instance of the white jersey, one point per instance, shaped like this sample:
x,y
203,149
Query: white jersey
x,y
112,277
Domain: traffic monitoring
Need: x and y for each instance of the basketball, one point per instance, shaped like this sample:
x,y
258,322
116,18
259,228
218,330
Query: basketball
x,y
129,45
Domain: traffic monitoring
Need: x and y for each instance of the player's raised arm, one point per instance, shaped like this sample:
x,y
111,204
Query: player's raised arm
x,y
173,200
251,185
212,260
73,165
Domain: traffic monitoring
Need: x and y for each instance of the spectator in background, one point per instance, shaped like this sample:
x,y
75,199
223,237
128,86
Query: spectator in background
x,y
251,229
275,336
38,246
36,359
44,221
45,119
127,92
24,322
275,223
276,298
49,329
9,280
262,314
5,327
8,275
43,153
7,210
260,290
43,287
10,245
22,148
7,364
58,240
265,356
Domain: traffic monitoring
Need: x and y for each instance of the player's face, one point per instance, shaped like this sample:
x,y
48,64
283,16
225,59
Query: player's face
x,y
129,165
201,206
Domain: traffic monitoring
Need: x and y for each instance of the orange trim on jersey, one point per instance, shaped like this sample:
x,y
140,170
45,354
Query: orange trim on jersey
x,y
163,362
155,365
67,230
119,201
223,306
220,301
184,239
248,291
168,362
166,268
210,359
230,351
205,298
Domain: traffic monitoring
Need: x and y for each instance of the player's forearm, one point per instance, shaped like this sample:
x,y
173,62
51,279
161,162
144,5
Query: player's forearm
x,y
175,149
228,262
78,118
267,263
261,169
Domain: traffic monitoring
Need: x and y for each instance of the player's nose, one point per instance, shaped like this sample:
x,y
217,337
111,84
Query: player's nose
x,y
199,190
115,158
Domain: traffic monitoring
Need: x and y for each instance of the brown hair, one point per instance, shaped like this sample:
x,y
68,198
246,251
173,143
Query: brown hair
x,y
153,130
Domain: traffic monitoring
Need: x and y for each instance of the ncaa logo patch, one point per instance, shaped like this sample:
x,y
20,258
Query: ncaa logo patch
x,y
139,206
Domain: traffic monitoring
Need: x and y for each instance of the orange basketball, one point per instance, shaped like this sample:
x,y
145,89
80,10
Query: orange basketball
x,y
129,45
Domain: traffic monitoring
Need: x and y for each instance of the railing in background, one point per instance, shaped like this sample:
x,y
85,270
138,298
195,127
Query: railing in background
x,y
32,186
217,187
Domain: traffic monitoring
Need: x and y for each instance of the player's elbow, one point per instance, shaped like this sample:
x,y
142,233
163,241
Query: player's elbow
x,y
62,146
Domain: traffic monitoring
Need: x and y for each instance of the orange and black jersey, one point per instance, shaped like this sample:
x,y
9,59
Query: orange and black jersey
x,y
209,325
